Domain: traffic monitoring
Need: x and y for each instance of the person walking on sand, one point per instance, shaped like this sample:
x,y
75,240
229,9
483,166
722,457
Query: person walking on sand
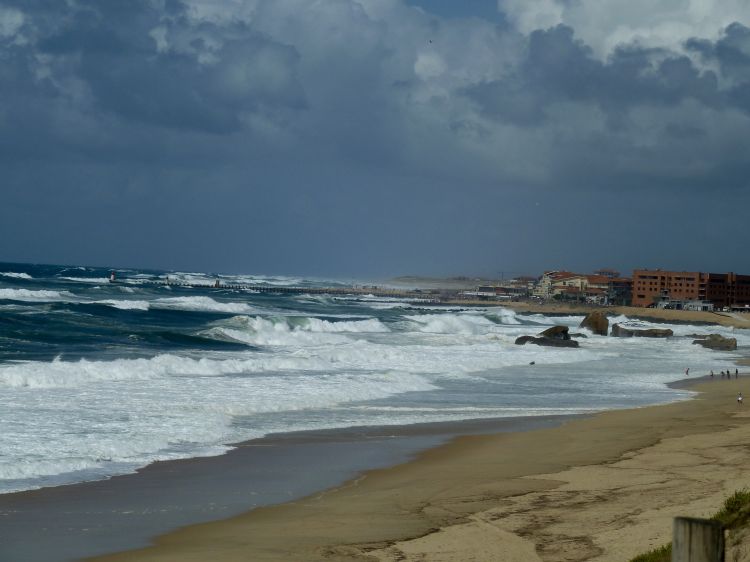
x,y
712,373
736,373
687,371
739,399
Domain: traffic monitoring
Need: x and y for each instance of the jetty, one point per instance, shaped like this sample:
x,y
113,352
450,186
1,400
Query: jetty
x,y
430,295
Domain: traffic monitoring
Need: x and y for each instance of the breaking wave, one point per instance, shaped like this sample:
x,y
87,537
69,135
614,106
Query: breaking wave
x,y
124,304
97,280
34,296
293,330
203,304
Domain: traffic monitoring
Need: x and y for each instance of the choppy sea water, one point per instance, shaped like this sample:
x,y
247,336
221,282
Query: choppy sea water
x,y
100,378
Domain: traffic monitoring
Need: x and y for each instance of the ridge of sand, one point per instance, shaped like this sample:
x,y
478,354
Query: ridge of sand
x,y
603,488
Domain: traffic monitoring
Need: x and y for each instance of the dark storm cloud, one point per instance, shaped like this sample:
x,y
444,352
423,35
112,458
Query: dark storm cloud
x,y
558,67
732,51
732,54
352,136
659,115
111,49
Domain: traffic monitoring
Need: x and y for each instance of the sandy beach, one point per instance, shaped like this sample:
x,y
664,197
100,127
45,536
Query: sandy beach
x,y
735,319
598,488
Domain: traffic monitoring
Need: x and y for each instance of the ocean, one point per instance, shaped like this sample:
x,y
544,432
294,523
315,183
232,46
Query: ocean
x,y
99,378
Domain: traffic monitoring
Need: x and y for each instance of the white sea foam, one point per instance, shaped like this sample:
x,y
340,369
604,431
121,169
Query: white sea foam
x,y
463,324
503,315
15,275
203,304
87,279
279,281
142,413
82,419
293,331
125,304
34,295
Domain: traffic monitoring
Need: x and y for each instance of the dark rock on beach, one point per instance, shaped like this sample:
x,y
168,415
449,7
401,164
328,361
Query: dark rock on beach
x,y
577,335
546,341
556,332
715,341
597,322
622,332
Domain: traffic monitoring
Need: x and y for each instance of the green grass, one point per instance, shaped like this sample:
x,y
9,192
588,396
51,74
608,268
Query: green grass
x,y
736,510
661,554
735,514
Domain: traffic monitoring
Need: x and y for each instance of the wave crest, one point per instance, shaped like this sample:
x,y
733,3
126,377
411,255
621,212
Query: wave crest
x,y
33,296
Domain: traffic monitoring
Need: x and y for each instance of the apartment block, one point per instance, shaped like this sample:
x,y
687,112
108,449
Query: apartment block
x,y
724,290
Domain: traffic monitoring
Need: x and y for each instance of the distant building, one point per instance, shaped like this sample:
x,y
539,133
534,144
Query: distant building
x,y
610,273
723,290
551,281
509,289
620,291
695,305
603,287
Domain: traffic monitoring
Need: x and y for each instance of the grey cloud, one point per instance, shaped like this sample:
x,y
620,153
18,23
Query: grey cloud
x,y
110,49
329,137
557,67
732,55
732,50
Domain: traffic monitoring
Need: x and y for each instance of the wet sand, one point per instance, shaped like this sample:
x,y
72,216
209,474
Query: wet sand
x,y
65,523
598,488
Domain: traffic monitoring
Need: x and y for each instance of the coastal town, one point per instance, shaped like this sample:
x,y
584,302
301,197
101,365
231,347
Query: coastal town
x,y
646,288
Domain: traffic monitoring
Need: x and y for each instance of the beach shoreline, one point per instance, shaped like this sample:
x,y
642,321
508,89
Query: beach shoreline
x,y
603,487
552,309
189,493
126,511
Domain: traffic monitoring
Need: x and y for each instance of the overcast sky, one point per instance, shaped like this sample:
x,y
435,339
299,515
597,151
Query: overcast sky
x,y
370,138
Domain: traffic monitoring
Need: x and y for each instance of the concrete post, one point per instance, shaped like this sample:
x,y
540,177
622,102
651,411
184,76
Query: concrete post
x,y
697,540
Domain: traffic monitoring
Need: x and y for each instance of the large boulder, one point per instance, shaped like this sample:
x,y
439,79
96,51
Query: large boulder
x,y
623,332
715,341
550,342
597,322
556,332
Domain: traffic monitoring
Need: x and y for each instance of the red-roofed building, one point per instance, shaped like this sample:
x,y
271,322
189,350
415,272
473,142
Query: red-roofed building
x,y
595,288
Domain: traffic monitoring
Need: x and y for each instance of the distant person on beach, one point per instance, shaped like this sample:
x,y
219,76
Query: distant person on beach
x,y
712,373
687,371
736,373
739,399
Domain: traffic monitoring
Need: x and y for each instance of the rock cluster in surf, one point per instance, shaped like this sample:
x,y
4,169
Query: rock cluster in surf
x,y
623,332
597,322
556,336
718,342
